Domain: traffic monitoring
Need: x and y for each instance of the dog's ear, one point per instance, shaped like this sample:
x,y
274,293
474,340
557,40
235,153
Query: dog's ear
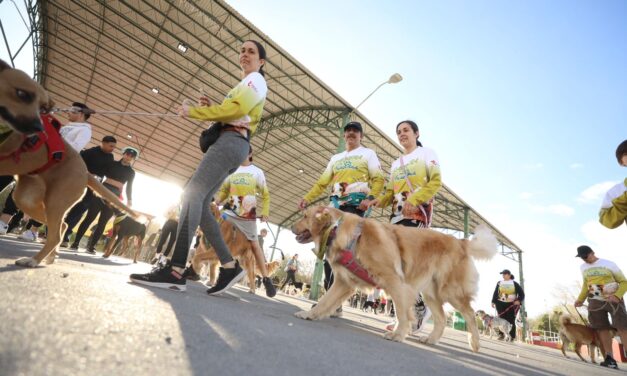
x,y
323,215
4,65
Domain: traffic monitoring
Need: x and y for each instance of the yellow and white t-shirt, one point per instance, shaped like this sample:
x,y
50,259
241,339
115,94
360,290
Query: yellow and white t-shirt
x,y
507,291
355,171
422,169
602,279
242,106
239,193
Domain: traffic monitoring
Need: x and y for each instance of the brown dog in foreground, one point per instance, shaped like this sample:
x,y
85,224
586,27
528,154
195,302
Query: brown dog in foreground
x,y
579,335
46,196
403,261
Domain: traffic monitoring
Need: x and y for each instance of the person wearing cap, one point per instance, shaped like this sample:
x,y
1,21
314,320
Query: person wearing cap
x,y
98,161
414,181
507,298
613,211
604,285
355,178
120,173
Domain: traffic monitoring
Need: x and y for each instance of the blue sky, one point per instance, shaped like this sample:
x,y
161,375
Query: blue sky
x,y
524,102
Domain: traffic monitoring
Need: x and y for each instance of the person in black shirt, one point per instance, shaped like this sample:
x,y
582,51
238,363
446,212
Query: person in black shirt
x,y
119,174
98,161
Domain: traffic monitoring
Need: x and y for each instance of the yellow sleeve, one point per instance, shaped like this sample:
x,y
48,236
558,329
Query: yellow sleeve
x,y
321,185
265,200
622,284
377,183
583,294
244,99
386,197
428,191
223,192
616,215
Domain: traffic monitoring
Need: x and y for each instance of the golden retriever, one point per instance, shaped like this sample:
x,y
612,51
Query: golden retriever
x,y
579,335
403,261
45,196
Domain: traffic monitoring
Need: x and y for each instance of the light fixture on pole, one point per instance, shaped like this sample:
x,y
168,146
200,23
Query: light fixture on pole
x,y
394,79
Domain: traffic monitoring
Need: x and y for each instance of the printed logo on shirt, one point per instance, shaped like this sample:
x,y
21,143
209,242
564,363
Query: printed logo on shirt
x,y
252,86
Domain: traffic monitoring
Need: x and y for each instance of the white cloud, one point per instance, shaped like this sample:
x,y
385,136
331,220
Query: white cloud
x,y
557,209
595,193
575,166
526,195
533,166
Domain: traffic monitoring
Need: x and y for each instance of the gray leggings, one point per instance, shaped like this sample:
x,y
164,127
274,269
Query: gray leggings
x,y
221,160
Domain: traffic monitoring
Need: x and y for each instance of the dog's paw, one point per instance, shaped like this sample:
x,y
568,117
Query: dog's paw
x,y
427,340
251,292
394,336
305,315
27,262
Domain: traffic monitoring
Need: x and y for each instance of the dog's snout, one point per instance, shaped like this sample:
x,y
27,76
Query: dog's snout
x,y
29,126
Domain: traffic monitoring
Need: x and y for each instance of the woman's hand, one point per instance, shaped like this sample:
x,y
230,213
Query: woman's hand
x,y
409,209
516,302
264,218
302,204
204,101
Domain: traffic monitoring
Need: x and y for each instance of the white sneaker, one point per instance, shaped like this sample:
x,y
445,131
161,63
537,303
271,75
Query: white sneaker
x,y
3,228
28,235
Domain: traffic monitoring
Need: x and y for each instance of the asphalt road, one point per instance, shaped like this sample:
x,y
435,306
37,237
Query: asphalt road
x,y
80,316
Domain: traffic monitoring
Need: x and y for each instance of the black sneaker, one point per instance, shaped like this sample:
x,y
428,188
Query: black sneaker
x,y
190,273
90,251
270,290
609,362
74,247
227,278
163,277
64,244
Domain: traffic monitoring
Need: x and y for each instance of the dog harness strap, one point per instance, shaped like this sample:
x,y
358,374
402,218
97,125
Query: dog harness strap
x,y
53,141
347,259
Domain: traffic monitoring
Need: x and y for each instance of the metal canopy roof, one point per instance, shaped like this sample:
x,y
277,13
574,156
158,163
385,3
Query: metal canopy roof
x,y
113,54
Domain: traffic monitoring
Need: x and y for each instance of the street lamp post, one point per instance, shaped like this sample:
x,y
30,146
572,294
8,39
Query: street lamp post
x,y
317,275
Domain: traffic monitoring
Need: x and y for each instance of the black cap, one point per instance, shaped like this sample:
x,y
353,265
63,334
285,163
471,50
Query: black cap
x,y
354,125
506,271
109,139
583,251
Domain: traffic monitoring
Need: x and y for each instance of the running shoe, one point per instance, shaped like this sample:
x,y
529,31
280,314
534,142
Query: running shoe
x,y
227,278
162,276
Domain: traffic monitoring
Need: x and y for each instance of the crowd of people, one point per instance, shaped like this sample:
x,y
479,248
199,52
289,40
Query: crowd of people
x,y
356,182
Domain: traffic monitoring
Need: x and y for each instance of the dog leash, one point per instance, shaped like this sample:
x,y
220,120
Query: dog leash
x,y
114,113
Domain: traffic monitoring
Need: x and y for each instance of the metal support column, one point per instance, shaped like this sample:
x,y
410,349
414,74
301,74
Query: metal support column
x,y
523,310
276,238
466,225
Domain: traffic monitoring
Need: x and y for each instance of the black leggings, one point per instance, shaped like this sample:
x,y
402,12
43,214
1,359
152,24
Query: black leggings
x,y
328,271
168,232
76,213
291,278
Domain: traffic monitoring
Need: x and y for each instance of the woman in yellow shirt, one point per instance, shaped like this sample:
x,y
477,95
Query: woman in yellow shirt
x,y
239,113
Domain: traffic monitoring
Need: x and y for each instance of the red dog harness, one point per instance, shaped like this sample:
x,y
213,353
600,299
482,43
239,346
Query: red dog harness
x,y
347,255
49,137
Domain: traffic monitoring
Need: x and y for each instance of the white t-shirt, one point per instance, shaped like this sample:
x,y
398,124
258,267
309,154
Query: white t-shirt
x,y
76,134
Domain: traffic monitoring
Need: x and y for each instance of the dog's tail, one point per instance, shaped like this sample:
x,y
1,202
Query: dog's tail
x,y
483,245
565,319
103,192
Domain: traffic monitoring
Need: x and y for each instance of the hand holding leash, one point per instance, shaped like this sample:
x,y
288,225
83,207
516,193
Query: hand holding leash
x,y
302,204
